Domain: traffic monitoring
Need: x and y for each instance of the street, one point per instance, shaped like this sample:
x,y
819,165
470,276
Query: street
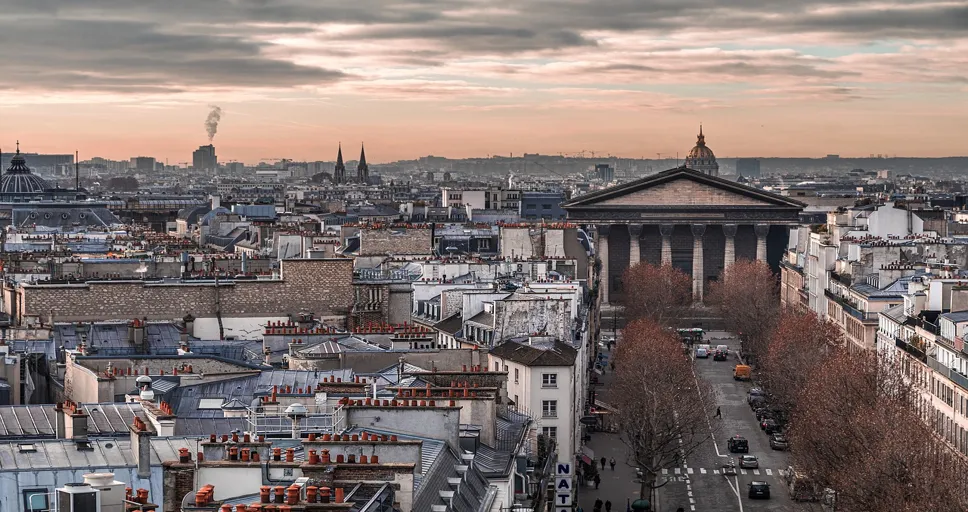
x,y
702,480
700,485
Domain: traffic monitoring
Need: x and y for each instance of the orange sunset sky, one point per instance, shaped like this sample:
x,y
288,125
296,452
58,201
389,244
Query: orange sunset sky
x,y
472,78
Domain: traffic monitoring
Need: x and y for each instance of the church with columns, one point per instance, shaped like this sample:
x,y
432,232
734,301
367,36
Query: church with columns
x,y
693,220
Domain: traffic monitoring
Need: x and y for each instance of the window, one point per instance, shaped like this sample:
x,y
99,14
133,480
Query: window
x,y
546,206
515,375
549,408
551,432
549,380
497,366
210,403
36,499
531,206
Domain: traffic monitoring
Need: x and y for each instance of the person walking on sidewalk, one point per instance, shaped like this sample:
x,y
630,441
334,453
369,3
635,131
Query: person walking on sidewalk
x,y
611,462
603,462
608,506
598,505
719,413
598,481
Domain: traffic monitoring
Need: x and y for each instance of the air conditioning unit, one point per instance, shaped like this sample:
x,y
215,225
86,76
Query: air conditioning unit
x,y
78,498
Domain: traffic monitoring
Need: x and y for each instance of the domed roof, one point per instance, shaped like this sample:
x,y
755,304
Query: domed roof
x,y
20,180
701,158
700,151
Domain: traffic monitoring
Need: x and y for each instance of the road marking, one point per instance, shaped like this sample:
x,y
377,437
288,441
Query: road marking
x,y
769,472
665,471
742,471
689,471
689,494
678,471
692,501
756,471
692,508
715,471
736,492
702,471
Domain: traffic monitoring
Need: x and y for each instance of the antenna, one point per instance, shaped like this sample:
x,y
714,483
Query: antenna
x,y
77,172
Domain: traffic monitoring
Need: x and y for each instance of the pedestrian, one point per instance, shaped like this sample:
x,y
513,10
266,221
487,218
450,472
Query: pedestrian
x,y
681,509
719,413
603,462
598,505
613,366
611,462
598,481
608,506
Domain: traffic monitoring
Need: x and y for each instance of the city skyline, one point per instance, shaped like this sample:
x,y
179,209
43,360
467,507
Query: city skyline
x,y
467,79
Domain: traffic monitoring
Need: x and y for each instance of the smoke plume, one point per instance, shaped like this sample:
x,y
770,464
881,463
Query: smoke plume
x,y
211,123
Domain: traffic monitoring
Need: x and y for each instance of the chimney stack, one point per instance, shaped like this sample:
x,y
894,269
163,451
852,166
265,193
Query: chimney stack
x,y
141,446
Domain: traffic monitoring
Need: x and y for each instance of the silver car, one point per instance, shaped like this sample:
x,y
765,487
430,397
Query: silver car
x,y
749,462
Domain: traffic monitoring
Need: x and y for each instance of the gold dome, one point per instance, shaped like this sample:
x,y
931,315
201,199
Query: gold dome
x,y
701,158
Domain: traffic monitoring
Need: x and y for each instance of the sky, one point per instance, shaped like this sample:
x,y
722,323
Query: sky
x,y
472,78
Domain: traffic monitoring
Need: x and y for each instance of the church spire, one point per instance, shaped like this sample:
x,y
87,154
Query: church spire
x,y
339,173
363,170
701,140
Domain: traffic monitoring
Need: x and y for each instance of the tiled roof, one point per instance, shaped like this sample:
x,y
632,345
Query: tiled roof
x,y
39,421
556,354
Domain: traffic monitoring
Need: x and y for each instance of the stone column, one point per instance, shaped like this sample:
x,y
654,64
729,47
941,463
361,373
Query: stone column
x,y
666,231
698,279
730,255
603,257
761,231
635,253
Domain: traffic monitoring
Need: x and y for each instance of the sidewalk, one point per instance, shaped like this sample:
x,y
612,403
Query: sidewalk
x,y
619,485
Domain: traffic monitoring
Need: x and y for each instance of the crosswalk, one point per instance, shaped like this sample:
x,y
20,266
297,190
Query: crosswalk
x,y
719,471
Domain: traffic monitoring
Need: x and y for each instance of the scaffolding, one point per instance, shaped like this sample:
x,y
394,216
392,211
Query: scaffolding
x,y
273,420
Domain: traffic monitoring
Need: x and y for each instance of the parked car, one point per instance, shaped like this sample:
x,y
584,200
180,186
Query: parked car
x,y
720,356
754,393
749,462
762,413
737,444
759,490
769,425
758,402
779,442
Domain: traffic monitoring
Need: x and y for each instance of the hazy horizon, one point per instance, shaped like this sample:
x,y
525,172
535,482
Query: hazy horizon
x,y
461,79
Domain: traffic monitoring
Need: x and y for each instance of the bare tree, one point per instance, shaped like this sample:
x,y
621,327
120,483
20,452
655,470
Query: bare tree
x,y
661,415
747,295
657,293
857,429
800,343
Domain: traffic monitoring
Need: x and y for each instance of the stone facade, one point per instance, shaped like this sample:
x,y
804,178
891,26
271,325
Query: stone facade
x,y
397,240
684,192
318,286
696,222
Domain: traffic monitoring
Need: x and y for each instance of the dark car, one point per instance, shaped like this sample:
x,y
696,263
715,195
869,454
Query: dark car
x,y
779,442
737,444
755,392
770,426
720,356
762,413
759,490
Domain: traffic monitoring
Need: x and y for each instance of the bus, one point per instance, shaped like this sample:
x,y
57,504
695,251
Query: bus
x,y
691,336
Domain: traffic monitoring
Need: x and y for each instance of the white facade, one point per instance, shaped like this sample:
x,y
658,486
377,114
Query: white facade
x,y
551,395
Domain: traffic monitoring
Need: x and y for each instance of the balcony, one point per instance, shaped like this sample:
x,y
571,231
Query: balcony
x,y
849,307
911,349
951,375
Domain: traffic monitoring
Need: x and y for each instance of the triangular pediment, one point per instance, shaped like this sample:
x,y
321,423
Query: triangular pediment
x,y
682,187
